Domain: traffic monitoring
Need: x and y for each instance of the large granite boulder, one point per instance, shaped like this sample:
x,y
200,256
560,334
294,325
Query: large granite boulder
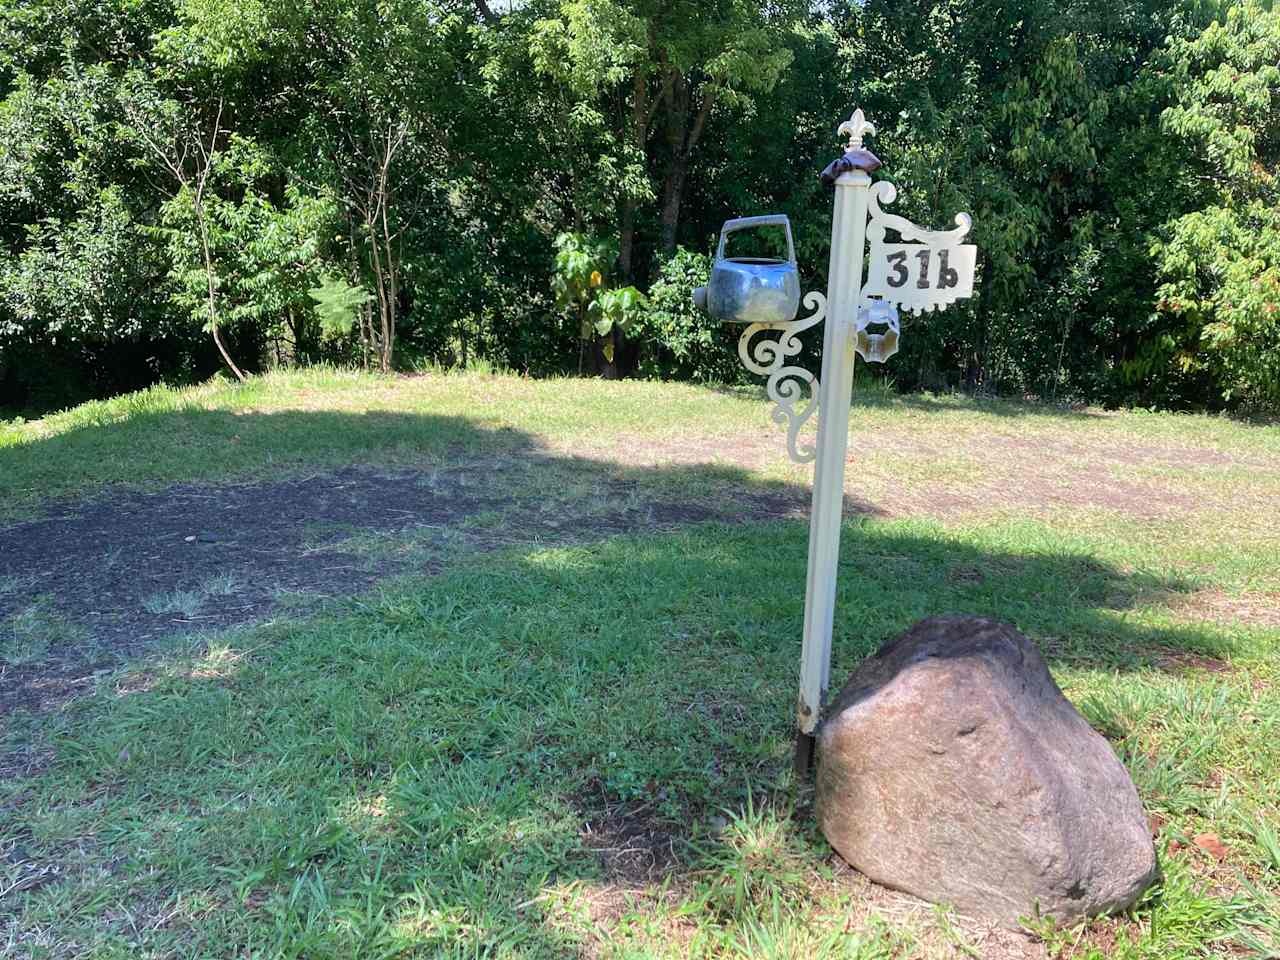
x,y
952,767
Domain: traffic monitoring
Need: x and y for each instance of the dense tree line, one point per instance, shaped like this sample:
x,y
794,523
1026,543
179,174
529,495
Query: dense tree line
x,y
189,185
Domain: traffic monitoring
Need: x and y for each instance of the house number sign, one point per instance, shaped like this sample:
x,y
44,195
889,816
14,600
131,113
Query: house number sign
x,y
929,275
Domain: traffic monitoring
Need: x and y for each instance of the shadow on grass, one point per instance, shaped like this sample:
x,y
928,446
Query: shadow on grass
x,y
417,769
128,566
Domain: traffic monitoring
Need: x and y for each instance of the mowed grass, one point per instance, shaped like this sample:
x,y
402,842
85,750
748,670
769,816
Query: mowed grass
x,y
289,423
584,749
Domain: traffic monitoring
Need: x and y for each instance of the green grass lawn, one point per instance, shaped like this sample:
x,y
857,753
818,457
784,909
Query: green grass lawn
x,y
580,746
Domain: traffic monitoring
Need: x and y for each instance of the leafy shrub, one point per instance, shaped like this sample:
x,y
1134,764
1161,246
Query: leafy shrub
x,y
582,287
681,341
1219,266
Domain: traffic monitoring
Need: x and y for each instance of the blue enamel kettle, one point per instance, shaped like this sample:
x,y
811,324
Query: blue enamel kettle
x,y
752,289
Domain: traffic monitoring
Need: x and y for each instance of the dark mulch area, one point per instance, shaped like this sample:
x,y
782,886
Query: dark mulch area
x,y
95,563
632,844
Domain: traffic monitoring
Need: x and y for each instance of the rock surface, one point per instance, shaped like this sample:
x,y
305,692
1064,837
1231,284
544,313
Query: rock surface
x,y
952,767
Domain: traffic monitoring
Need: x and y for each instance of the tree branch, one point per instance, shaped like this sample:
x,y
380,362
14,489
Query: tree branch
x,y
695,133
663,93
202,178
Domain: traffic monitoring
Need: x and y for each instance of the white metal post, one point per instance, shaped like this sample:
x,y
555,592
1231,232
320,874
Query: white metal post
x,y
844,283
927,270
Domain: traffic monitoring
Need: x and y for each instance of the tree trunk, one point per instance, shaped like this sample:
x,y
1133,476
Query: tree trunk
x,y
393,280
380,282
366,334
202,178
672,195
982,351
212,289
612,340
193,145
640,116
683,135
222,349
626,242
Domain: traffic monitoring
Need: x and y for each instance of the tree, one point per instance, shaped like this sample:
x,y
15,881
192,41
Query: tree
x,y
187,146
354,83
667,65
1037,118
642,79
82,304
1219,265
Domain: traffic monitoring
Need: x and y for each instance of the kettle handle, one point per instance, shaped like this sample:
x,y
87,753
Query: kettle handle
x,y
743,223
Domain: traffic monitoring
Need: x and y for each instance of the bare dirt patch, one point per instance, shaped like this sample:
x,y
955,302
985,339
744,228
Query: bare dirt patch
x,y
939,935
634,845
1034,496
1037,475
907,473
135,566
1123,454
750,451
1182,662
1252,609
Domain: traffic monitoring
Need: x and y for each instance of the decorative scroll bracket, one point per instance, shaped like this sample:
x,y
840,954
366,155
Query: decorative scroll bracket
x,y
786,385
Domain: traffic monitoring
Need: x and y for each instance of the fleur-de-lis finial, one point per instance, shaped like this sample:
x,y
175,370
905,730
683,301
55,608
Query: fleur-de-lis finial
x,y
857,127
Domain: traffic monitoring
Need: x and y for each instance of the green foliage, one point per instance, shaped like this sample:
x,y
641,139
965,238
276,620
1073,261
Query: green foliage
x,y
667,68
338,305
1219,266
1120,163
617,309
580,284
266,255
579,277
74,281
683,342
1025,114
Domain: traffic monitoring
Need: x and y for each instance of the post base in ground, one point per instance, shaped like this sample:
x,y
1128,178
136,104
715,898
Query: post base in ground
x,y
804,755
